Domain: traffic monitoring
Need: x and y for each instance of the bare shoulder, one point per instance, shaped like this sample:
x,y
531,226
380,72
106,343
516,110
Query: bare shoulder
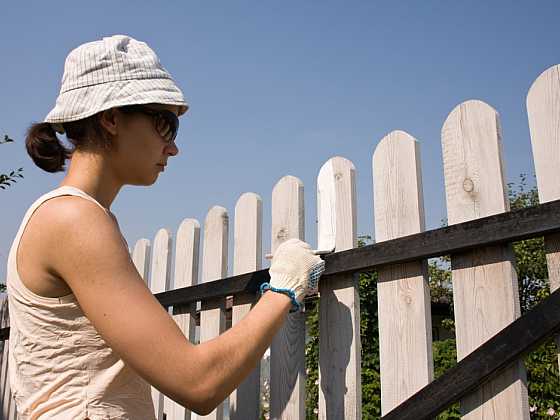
x,y
69,226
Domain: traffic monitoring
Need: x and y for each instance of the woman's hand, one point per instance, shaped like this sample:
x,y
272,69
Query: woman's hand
x,y
296,269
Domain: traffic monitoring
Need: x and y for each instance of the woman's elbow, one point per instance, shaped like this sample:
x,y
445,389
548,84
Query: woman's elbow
x,y
202,401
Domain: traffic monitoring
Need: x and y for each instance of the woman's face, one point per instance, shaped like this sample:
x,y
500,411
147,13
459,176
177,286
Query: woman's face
x,y
141,151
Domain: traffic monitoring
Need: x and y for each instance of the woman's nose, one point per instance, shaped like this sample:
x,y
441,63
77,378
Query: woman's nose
x,y
172,149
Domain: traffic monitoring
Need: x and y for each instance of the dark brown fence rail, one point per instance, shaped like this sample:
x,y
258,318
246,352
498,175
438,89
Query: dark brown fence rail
x,y
498,229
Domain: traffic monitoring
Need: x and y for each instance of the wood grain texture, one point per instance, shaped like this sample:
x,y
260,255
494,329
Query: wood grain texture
x,y
543,108
187,250
403,294
484,281
340,393
160,282
214,267
141,259
244,402
7,401
287,351
513,342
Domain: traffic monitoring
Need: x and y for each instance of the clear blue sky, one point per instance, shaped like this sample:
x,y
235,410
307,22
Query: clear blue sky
x,y
277,88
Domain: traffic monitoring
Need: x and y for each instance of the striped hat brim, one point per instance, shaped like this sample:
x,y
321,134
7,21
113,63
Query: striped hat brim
x,y
83,102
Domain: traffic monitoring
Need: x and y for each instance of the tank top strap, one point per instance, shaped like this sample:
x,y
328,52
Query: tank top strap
x,y
60,191
70,190
12,273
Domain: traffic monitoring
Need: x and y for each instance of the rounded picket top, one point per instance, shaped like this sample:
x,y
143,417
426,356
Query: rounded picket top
x,y
187,254
141,259
547,82
287,183
543,111
162,238
288,212
216,212
391,146
336,194
247,233
473,164
336,162
397,187
161,262
187,226
392,137
247,198
468,111
214,253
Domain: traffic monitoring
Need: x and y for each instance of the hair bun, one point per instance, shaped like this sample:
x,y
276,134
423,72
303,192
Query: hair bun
x,y
45,148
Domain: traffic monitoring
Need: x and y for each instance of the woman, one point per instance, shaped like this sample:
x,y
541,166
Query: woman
x,y
87,336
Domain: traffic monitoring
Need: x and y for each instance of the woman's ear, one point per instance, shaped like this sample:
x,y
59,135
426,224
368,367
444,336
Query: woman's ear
x,y
109,120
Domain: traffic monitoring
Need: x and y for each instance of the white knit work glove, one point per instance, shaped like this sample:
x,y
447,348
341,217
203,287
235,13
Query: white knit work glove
x,y
295,271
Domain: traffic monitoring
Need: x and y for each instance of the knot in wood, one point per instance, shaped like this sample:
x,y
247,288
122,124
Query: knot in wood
x,y
338,176
282,234
468,185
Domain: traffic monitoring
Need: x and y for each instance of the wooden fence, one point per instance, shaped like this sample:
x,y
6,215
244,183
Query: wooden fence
x,y
489,380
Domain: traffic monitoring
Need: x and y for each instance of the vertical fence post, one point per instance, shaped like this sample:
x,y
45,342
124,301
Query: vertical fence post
x,y
8,403
485,290
214,267
186,274
287,351
245,400
340,393
160,282
141,259
543,108
403,293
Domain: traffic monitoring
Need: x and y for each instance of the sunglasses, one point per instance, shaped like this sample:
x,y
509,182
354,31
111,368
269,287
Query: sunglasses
x,y
165,121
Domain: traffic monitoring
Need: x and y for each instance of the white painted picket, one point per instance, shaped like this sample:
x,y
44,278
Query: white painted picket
x,y
245,400
187,246
403,292
214,267
7,401
340,392
287,351
485,291
141,259
543,108
160,281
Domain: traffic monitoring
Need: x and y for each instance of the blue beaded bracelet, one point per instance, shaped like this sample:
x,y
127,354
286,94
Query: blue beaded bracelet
x,y
296,306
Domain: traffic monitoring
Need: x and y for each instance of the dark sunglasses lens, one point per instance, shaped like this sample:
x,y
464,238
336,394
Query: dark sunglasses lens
x,y
167,122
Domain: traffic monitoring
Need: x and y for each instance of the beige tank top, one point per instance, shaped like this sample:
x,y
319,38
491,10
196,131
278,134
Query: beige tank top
x,y
59,366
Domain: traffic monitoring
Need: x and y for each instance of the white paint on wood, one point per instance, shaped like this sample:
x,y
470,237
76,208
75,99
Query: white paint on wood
x,y
326,210
484,281
287,351
160,282
244,402
340,393
187,246
141,259
7,401
543,108
214,267
403,294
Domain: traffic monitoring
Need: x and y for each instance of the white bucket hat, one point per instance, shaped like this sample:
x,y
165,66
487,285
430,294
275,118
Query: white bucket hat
x,y
112,72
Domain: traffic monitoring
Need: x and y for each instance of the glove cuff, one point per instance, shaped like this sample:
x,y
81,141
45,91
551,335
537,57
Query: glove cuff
x,y
296,306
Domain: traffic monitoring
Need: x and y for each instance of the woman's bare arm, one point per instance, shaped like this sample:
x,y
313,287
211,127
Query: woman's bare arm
x,y
84,247
236,352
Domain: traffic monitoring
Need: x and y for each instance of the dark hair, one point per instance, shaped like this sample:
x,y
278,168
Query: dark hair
x,y
48,152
